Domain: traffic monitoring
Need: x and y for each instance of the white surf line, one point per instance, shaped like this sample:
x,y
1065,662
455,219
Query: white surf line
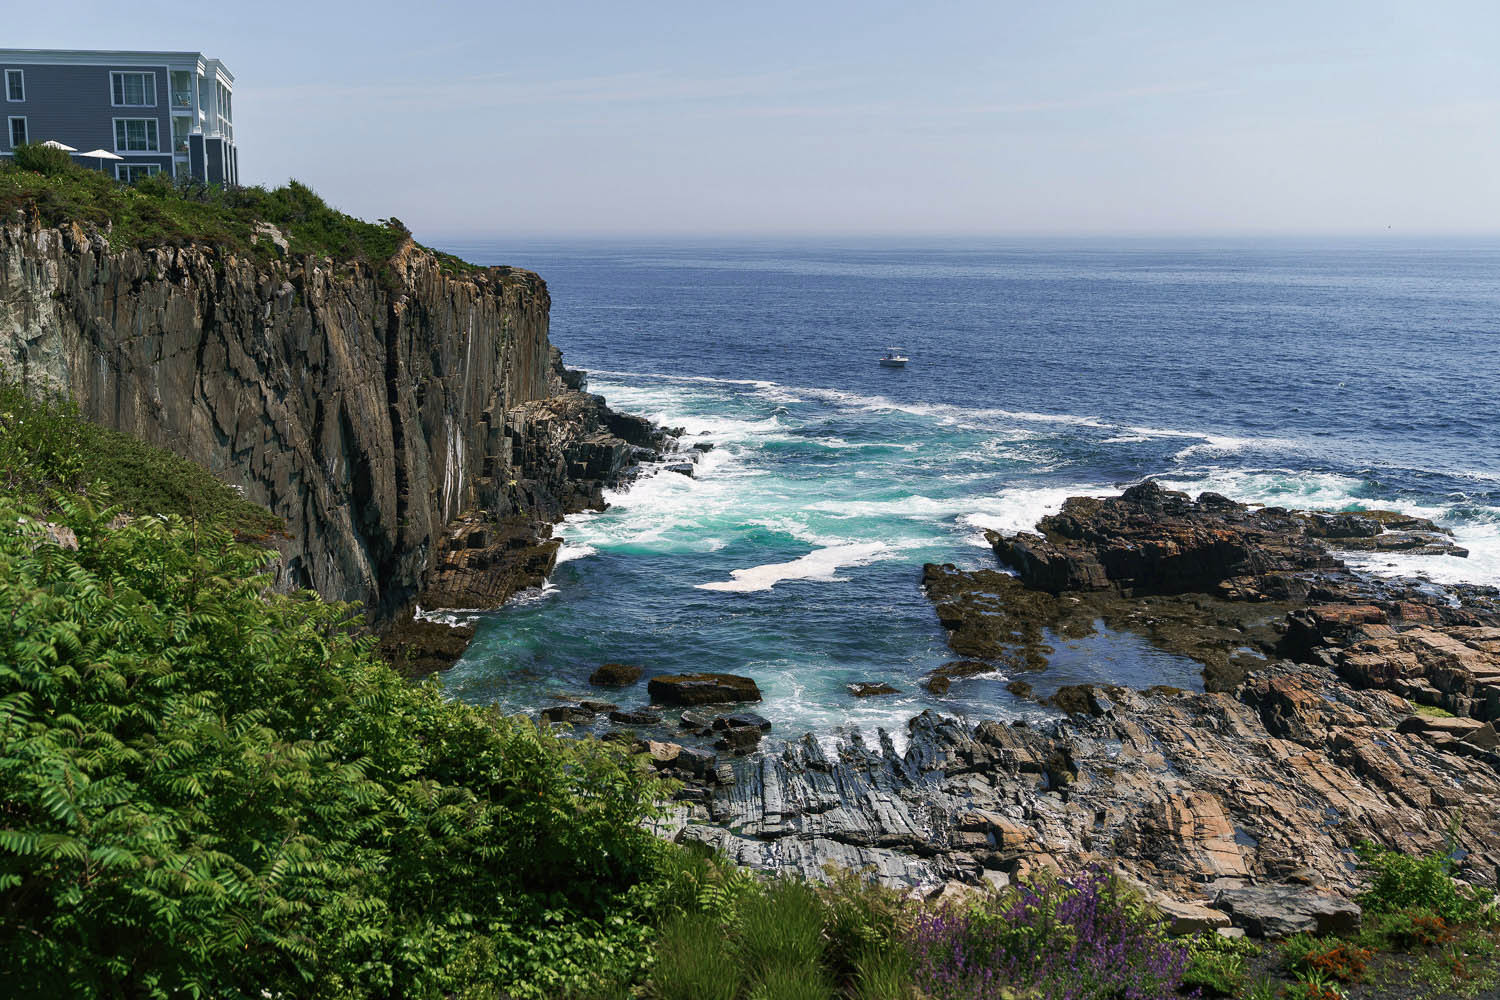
x,y
820,565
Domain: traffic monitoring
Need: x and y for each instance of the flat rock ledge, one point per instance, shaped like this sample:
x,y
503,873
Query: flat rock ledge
x,y
1241,804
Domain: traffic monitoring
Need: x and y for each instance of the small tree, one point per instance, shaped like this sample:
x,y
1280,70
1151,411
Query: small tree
x,y
42,159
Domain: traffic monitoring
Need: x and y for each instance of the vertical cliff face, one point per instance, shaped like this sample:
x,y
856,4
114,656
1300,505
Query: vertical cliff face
x,y
367,409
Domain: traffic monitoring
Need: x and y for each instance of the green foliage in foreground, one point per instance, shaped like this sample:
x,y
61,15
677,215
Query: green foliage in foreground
x,y
733,938
45,447
158,212
206,790
1401,882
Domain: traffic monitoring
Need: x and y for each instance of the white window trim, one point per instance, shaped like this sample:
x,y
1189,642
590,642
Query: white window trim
x,y
133,72
10,127
22,74
151,168
115,128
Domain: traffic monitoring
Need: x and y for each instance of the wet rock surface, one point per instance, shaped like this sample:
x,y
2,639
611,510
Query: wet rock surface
x,y
616,675
701,689
1241,803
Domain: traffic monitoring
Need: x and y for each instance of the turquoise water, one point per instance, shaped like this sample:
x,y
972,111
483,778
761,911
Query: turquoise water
x,y
1323,378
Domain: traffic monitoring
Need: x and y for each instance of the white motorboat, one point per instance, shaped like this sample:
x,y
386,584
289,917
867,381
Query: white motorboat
x,y
893,358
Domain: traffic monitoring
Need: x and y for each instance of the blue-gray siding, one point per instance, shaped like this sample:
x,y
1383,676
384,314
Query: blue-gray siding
x,y
74,105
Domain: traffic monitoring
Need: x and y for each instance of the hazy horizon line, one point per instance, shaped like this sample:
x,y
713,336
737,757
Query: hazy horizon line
x,y
433,236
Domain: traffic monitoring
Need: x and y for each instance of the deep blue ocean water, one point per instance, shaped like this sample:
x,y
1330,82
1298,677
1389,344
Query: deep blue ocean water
x,y
1326,375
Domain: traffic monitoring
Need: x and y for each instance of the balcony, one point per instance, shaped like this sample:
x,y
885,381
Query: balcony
x,y
182,100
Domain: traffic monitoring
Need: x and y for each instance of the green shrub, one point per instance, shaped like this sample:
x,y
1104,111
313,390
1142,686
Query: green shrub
x,y
42,159
1403,930
1217,964
1400,881
208,790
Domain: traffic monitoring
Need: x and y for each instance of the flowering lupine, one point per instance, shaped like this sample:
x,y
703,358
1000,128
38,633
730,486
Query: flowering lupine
x,y
1069,940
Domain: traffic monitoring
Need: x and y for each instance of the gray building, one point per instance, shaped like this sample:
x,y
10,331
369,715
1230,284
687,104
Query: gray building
x,y
160,112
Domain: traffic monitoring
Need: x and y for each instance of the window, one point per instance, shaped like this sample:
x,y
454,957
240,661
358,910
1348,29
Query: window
x,y
133,90
15,85
182,127
136,135
182,90
17,132
132,172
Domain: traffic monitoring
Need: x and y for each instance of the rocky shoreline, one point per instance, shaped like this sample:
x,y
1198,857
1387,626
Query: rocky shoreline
x,y
564,451
1240,804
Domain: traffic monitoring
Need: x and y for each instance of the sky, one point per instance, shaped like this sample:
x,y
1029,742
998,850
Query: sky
x,y
815,118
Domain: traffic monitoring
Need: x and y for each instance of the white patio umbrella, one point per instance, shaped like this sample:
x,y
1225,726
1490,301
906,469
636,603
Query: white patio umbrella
x,y
59,145
101,155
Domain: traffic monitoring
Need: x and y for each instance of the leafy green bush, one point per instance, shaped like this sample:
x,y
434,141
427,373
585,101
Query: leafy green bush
x,y
1217,964
41,159
1400,881
207,790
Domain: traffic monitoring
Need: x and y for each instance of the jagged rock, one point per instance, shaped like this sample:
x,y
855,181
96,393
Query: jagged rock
x,y
1082,699
681,468
663,755
1280,911
1151,540
636,717
699,763
272,235
739,741
698,722
701,689
615,675
869,689
571,714
742,720
1183,917
416,647
939,680
60,535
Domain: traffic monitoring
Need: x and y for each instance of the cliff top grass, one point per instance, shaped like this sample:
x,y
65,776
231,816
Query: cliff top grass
x,y
158,211
45,445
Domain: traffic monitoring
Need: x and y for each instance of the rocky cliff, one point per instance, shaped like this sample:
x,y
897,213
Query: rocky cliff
x,y
369,408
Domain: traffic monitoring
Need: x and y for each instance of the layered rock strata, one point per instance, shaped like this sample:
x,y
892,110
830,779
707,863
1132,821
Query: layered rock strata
x,y
1241,805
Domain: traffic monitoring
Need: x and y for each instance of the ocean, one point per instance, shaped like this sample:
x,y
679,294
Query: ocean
x,y
1322,375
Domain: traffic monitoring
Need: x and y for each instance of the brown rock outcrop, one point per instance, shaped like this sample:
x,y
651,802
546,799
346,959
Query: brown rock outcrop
x,y
1240,804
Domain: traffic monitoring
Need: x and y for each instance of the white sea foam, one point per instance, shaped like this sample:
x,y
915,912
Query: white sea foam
x,y
1278,487
568,552
1222,444
1478,531
1014,510
820,564
1482,565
